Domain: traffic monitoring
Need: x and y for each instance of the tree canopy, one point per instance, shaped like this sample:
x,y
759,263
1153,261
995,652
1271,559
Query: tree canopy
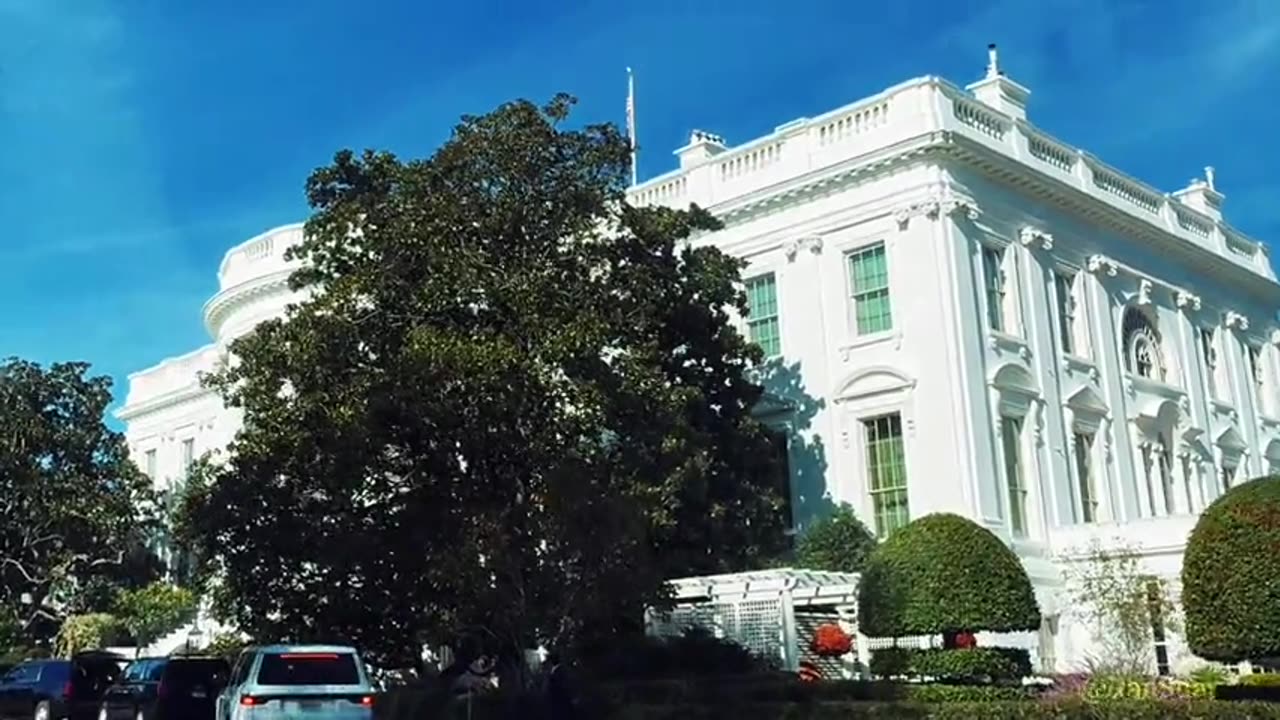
x,y
945,574
74,511
1230,591
838,542
510,400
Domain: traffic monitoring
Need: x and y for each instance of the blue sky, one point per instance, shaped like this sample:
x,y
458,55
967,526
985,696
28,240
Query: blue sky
x,y
142,139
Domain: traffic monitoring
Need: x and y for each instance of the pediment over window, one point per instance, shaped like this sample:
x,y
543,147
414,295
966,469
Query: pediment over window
x,y
1012,377
1159,415
1231,440
1086,409
1272,453
875,380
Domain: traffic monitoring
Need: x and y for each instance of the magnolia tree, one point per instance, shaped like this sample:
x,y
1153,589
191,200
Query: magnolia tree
x,y
512,402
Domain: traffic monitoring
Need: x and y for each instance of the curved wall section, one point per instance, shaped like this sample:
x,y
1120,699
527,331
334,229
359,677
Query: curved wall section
x,y
252,283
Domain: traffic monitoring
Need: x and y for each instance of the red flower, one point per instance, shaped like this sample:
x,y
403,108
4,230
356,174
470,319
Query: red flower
x,y
830,640
966,640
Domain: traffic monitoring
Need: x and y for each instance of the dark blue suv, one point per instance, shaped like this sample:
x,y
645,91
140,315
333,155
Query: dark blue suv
x,y
57,689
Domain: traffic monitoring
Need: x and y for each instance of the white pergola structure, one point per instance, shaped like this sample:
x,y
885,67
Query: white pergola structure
x,y
759,610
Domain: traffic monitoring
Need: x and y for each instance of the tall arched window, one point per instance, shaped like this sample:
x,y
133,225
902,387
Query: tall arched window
x,y
1141,341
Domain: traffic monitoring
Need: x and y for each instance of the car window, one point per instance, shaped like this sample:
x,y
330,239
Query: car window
x,y
188,673
28,673
309,669
156,670
243,665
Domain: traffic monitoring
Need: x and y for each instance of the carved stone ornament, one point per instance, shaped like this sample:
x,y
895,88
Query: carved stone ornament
x,y
1233,319
813,243
1101,264
940,203
1144,292
1029,236
1186,300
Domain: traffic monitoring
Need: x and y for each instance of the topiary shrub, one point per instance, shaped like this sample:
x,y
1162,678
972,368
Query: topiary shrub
x,y
1229,592
838,542
943,574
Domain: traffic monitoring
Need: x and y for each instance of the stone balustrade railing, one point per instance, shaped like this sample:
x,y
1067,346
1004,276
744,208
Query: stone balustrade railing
x,y
918,108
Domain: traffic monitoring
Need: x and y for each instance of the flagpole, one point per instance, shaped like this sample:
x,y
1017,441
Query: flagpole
x,y
631,126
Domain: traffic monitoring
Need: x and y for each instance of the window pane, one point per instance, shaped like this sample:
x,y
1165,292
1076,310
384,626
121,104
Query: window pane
x,y
1066,311
762,314
1011,432
869,284
993,281
886,472
1084,475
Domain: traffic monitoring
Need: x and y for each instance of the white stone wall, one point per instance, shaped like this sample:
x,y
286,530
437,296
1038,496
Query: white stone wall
x,y
936,175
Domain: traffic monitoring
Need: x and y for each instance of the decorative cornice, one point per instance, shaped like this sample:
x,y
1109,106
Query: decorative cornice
x,y
1101,264
173,398
1233,319
943,201
1029,236
1186,301
793,247
227,301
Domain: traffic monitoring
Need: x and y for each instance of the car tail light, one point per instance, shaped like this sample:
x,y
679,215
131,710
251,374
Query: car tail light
x,y
66,690
367,701
250,701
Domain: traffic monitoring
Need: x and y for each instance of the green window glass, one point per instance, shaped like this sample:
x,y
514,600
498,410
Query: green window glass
x,y
993,282
886,472
762,314
869,285
1011,436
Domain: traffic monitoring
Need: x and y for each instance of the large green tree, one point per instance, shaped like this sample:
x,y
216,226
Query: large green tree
x,y
512,401
73,509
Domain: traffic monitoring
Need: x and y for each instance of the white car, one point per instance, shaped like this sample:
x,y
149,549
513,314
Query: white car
x,y
298,682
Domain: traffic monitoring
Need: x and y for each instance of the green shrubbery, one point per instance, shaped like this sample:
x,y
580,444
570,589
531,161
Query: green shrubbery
x,y
1123,710
944,574
696,653
838,543
964,665
1229,573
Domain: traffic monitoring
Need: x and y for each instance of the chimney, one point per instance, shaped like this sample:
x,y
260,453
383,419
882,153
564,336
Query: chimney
x,y
999,92
702,146
1202,195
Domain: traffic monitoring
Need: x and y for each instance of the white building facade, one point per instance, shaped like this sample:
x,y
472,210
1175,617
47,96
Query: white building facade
x,y
962,315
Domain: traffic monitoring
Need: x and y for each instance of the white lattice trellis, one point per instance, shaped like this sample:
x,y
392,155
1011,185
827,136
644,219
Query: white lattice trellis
x,y
758,610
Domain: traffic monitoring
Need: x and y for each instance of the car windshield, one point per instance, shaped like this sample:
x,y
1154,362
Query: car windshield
x,y
308,669
23,673
186,673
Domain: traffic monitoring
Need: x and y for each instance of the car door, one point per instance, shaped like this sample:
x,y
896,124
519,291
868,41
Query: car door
x,y
122,696
17,690
230,695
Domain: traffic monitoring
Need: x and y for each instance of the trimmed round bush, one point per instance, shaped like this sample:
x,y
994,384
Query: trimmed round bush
x,y
838,542
1231,575
944,574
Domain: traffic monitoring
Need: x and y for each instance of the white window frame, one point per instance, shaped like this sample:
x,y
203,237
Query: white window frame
x,y
864,427
1071,312
853,293
1017,492
997,316
749,323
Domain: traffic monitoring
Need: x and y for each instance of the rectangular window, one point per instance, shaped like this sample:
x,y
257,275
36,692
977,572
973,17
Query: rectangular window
x,y
869,287
1209,354
188,454
151,464
1011,440
1064,290
887,472
1254,355
762,314
994,284
1084,477
1155,609
1228,476
782,484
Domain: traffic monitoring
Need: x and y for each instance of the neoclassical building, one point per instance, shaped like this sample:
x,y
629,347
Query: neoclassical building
x,y
962,314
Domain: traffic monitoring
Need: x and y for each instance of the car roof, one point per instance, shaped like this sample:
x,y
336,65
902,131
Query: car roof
x,y
278,649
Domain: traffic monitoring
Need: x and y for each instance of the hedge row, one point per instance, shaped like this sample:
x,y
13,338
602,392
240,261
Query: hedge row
x,y
785,689
1123,710
996,710
953,665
